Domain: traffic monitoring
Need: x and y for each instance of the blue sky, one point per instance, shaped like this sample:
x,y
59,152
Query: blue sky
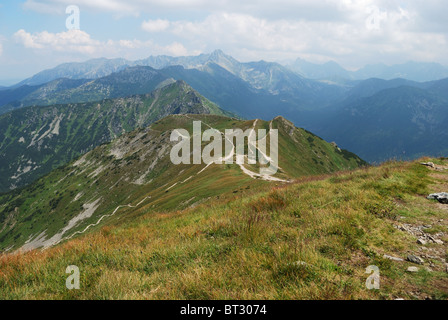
x,y
33,33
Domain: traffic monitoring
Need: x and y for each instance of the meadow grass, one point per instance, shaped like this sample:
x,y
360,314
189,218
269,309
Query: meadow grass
x,y
312,239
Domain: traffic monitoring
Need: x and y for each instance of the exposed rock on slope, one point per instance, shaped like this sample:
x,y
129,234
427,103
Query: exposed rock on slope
x,y
35,140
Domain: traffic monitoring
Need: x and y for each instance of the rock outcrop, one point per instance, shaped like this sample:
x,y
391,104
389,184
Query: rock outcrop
x,y
441,197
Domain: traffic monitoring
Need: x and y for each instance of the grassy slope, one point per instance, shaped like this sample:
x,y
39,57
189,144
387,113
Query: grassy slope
x,y
245,247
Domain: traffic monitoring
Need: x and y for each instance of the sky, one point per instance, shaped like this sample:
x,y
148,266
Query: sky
x,y
40,34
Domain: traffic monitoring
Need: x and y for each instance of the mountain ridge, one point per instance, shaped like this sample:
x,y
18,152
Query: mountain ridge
x,y
256,90
136,167
35,140
331,70
403,123
413,71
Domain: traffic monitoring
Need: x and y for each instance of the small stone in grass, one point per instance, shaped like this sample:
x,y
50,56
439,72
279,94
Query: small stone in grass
x,y
415,259
392,258
421,241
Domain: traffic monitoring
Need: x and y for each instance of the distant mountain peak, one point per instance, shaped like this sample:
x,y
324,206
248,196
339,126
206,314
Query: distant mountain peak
x,y
218,52
222,59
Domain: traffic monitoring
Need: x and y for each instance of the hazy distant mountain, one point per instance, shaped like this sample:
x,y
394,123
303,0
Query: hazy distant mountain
x,y
257,89
98,68
91,69
439,88
402,122
261,75
371,86
130,81
269,76
416,71
35,140
192,62
13,98
329,70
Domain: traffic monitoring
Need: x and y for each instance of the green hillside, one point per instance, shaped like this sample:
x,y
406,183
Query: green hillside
x,y
136,169
35,140
312,239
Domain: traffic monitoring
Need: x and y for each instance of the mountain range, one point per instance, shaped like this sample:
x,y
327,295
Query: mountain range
x,y
416,71
395,123
261,90
98,68
249,89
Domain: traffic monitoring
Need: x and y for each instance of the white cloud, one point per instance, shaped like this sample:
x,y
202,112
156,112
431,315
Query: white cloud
x,y
350,41
175,49
274,30
120,7
266,7
77,41
155,25
71,41
58,6
1,49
